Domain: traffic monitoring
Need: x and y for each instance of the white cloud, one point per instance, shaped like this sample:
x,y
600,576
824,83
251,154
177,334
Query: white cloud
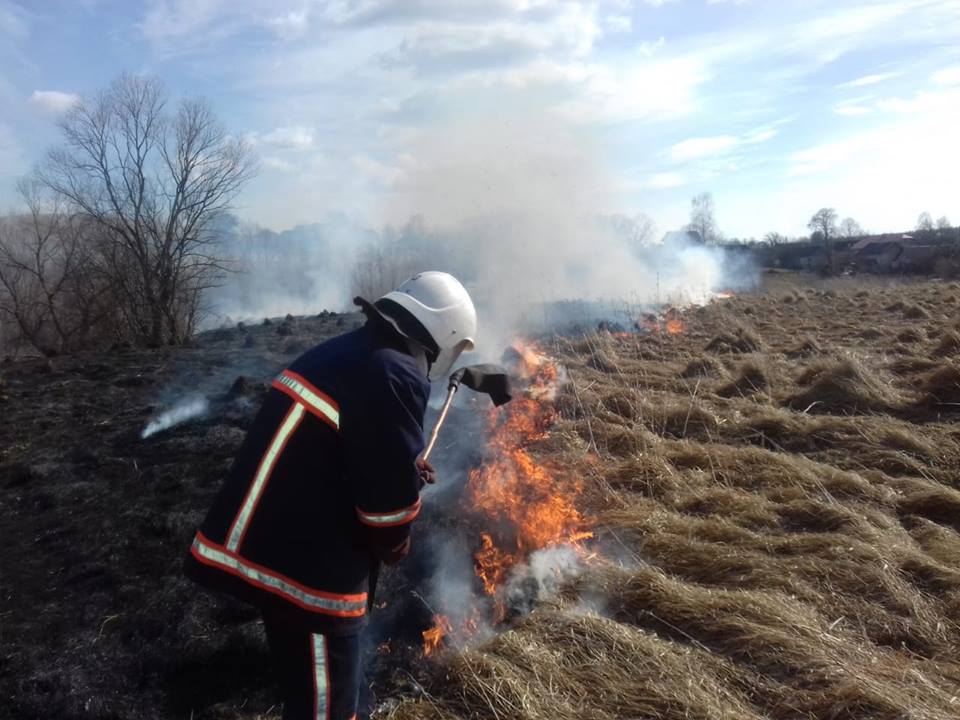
x,y
944,101
850,110
647,90
869,80
618,23
290,24
375,171
377,75
291,137
947,76
759,135
650,47
12,21
504,39
170,23
664,180
701,147
271,162
53,101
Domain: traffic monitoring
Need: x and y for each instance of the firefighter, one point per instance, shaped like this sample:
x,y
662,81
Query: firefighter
x,y
328,482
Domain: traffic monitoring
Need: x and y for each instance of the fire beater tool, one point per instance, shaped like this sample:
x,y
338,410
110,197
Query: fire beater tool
x,y
490,380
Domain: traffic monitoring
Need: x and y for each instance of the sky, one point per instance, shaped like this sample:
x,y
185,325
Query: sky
x,y
776,107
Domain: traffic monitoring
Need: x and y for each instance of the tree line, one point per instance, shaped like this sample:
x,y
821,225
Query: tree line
x,y
824,225
117,242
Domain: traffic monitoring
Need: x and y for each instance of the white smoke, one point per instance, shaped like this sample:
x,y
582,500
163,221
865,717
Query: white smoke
x,y
181,412
519,208
518,205
543,574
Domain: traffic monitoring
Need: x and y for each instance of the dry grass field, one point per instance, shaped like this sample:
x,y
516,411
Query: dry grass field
x,y
774,493
777,494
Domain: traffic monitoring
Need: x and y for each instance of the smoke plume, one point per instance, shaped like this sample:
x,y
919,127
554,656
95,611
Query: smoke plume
x,y
517,206
181,412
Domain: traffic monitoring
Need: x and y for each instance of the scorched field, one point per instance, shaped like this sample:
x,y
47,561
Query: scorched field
x,y
762,496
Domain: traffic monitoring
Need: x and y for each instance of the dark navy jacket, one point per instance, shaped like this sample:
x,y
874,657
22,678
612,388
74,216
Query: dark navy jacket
x,y
325,481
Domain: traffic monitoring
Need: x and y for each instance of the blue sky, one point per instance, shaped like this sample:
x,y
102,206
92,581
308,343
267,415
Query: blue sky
x,y
778,108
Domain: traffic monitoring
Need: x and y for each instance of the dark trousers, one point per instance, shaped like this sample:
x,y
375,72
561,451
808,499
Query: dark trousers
x,y
319,675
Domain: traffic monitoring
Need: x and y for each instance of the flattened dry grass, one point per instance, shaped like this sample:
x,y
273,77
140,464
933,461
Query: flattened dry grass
x,y
778,534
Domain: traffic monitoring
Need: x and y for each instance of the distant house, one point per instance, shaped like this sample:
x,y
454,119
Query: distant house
x,y
797,256
682,238
918,259
879,253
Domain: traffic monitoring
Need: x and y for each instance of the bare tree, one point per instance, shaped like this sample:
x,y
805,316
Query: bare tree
x,y
943,223
380,268
924,222
850,228
823,224
774,238
151,183
702,218
638,231
52,290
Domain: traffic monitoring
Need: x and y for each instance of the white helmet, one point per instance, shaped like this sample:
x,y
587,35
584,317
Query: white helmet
x,y
443,307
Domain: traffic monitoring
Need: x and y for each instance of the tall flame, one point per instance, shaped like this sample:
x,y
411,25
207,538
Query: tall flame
x,y
524,505
530,505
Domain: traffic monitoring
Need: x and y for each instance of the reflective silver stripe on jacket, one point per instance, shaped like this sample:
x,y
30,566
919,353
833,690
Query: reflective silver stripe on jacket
x,y
320,689
316,403
267,580
395,518
286,429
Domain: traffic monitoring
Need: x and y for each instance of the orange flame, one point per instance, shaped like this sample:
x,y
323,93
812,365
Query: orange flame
x,y
524,497
433,637
529,505
675,326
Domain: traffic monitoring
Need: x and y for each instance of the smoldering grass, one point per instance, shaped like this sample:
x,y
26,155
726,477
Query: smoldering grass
x,y
188,409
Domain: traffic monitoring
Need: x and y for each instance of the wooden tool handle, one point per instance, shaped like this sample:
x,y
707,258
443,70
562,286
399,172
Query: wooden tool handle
x,y
436,428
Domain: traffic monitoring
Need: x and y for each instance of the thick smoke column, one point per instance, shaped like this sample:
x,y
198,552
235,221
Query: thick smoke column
x,y
520,210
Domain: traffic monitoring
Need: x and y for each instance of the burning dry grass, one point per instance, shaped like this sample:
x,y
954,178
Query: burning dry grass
x,y
778,534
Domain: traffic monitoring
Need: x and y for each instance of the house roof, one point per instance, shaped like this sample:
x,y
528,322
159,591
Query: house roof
x,y
881,240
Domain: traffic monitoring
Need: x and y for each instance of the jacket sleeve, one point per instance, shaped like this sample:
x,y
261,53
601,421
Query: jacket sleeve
x,y
382,446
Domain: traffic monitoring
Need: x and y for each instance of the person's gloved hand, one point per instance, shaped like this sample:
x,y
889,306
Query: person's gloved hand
x,y
428,476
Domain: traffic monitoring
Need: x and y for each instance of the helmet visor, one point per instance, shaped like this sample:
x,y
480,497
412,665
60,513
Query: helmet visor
x,y
445,360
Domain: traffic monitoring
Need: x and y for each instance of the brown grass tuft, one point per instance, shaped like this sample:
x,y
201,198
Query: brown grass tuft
x,y
943,384
703,366
909,336
844,387
949,344
741,340
911,364
915,312
805,348
750,380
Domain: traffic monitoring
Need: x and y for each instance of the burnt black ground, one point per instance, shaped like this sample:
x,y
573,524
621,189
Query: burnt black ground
x,y
96,618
